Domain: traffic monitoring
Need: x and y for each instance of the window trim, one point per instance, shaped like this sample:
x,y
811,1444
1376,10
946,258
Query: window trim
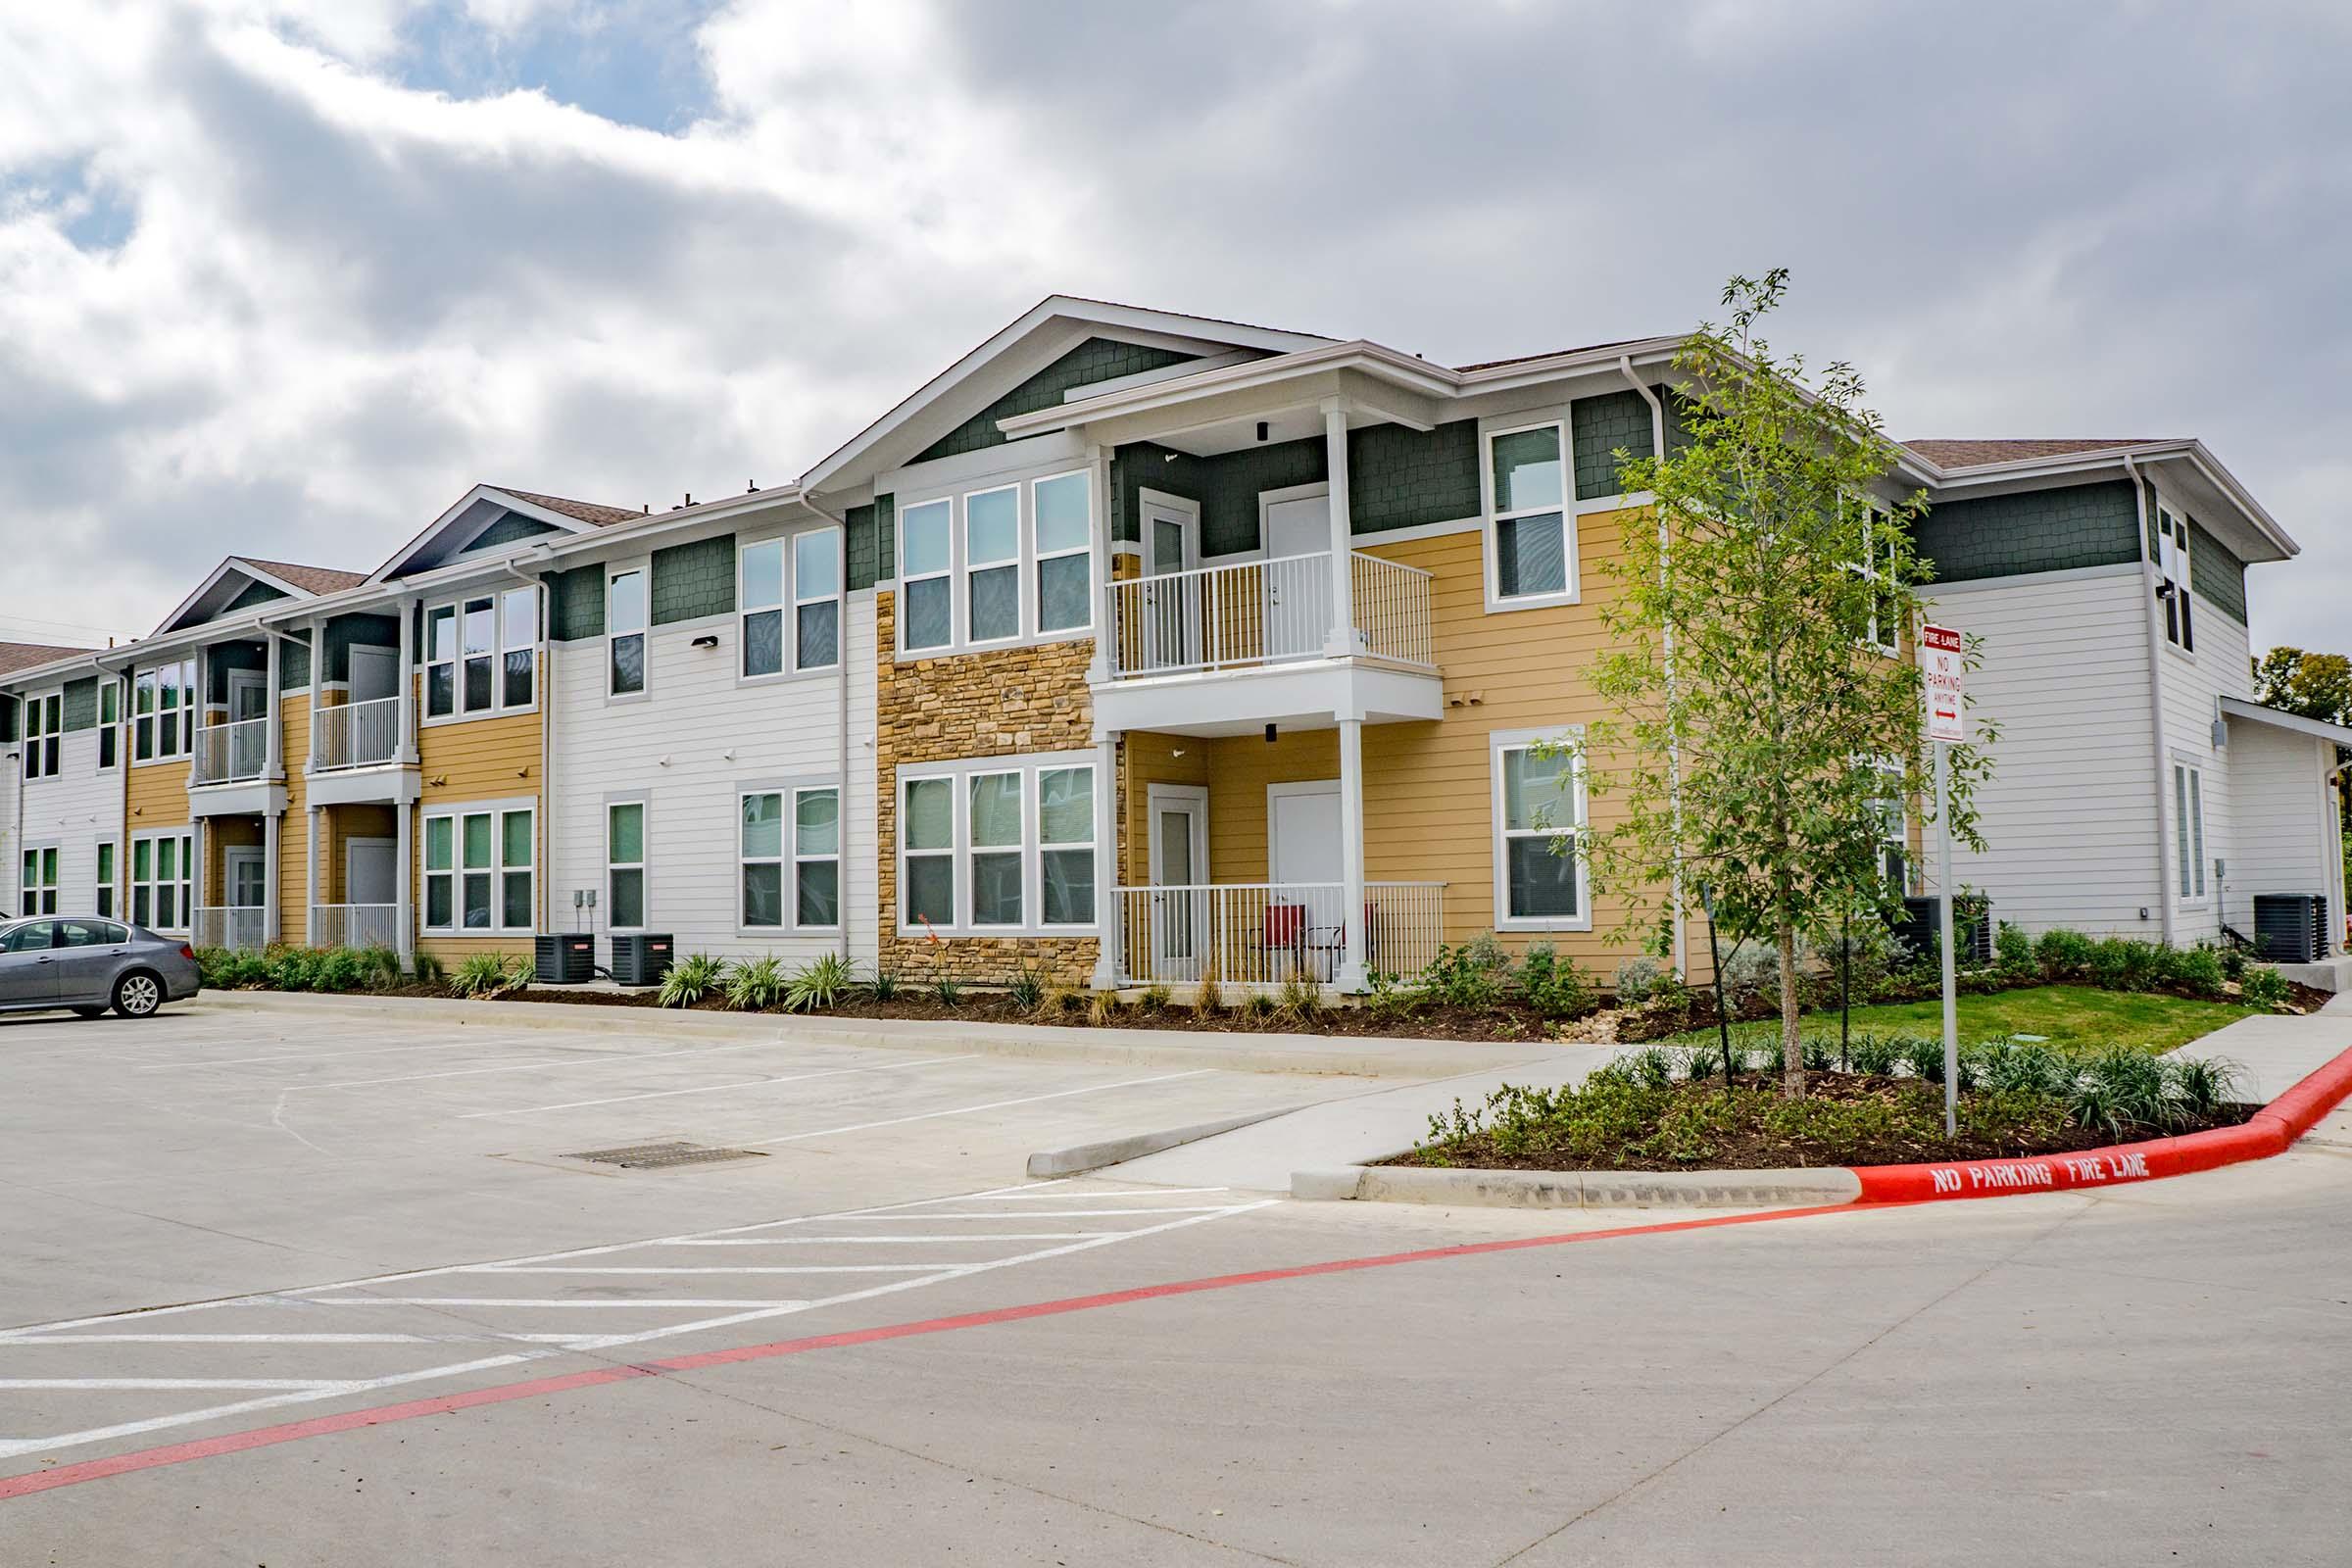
x,y
788,792
110,730
184,880
957,498
40,749
788,607
37,879
950,572
186,711
455,663
643,568
1015,562
642,865
1498,743
497,871
1039,555
2179,615
107,878
1491,520
795,859
1872,572
959,776
2188,834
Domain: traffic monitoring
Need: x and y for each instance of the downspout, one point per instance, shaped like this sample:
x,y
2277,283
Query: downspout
x,y
1674,749
547,728
2148,584
841,736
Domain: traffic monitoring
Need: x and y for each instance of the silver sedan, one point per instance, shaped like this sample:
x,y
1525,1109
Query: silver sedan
x,y
90,964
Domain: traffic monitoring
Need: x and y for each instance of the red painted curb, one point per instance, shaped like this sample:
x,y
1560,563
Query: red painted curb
x,y
2269,1130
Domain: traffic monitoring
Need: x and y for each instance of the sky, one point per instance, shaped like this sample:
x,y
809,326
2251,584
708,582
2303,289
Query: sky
x,y
289,278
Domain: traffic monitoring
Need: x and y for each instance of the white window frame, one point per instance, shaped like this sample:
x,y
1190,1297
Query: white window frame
x,y
614,571
1039,555
948,573
179,727
500,647
2189,833
110,730
959,776
1024,562
1491,520
2173,570
1499,744
642,865
182,881
1872,570
969,850
790,602
108,879
429,664
967,569
41,747
803,601
797,857
498,872
36,879
788,857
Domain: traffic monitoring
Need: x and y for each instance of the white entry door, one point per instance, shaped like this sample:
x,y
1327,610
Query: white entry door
x,y
370,871
1171,610
1297,525
1302,849
1180,899
248,742
374,674
246,875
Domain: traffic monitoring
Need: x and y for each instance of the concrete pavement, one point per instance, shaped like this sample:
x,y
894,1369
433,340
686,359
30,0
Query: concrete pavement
x,y
2278,1049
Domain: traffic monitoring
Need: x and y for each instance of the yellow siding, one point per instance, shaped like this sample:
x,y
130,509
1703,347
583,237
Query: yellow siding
x,y
1236,806
293,840
155,796
1147,759
481,760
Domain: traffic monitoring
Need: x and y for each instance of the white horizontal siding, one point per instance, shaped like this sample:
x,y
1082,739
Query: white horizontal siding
x,y
71,810
2192,685
2281,810
2068,813
698,738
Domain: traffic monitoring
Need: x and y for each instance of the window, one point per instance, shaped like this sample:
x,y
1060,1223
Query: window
x,y
2172,573
816,599
1532,543
761,850
1539,800
1014,838
163,711
477,632
478,870
518,644
1065,833
45,722
440,661
991,561
2188,828
625,625
1876,625
109,723
926,546
105,904
928,876
817,857
1893,831
624,865
36,889
1064,552
815,587
163,876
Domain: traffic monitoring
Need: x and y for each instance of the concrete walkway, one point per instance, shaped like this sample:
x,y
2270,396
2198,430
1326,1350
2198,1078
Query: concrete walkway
x,y
1347,1132
2278,1051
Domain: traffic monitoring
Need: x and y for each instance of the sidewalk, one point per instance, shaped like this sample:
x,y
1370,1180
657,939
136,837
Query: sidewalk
x,y
2277,1050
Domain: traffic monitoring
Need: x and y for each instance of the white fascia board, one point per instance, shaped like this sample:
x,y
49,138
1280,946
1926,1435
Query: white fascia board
x,y
2031,474
465,503
229,563
2256,713
1388,365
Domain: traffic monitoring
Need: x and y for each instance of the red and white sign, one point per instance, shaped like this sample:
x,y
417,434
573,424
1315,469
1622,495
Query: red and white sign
x,y
1940,656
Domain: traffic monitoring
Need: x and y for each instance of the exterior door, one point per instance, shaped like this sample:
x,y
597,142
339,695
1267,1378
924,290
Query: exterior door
x,y
244,873
248,700
1298,593
370,871
27,968
1171,611
1305,910
1180,899
374,674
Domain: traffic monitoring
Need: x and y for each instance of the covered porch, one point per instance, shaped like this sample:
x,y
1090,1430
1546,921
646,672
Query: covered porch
x,y
358,886
236,872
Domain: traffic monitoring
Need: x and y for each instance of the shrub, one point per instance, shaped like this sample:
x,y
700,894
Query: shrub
x,y
1874,1055
2013,951
1026,988
1102,1009
820,984
379,968
1654,1067
430,970
2120,964
2063,954
1636,980
947,990
2263,988
1472,975
1552,985
689,981
755,984
482,975
1261,1005
1208,996
1156,999
2201,1084
337,969
295,970
1752,976
1301,1000
2196,970
214,969
884,986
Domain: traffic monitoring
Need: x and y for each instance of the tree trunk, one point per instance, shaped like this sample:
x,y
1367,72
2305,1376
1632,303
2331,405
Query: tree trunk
x,y
1793,1057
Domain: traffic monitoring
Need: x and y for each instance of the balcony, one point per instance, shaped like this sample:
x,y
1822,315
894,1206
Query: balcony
x,y
231,753
1262,934
241,929
356,735
354,925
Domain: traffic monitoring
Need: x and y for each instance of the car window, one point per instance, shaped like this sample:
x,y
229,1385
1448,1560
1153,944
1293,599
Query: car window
x,y
88,933
33,936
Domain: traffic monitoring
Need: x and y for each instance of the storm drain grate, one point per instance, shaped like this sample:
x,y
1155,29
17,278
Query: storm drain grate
x,y
660,1157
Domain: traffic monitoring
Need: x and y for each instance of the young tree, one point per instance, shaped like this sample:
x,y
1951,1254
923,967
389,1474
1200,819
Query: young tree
x,y
2313,685
1762,718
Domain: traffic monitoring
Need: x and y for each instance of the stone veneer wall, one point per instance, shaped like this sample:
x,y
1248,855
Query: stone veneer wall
x,y
1001,704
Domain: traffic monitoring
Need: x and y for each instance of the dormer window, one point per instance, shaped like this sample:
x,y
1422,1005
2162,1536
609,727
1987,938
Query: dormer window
x,y
2172,579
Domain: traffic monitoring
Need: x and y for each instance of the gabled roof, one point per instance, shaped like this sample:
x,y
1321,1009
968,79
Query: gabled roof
x,y
1021,348
480,508
2180,466
311,579
213,595
1975,453
585,511
2278,718
29,656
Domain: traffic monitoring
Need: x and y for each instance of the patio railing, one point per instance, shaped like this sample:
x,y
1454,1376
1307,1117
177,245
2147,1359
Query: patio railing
x,y
1257,935
354,925
231,753
241,929
355,734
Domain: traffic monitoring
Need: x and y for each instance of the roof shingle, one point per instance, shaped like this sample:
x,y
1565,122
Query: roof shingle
x,y
587,512
1975,453
25,656
310,580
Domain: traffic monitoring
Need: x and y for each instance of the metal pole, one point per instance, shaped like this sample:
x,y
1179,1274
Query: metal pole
x,y
1723,1016
1952,1017
1845,987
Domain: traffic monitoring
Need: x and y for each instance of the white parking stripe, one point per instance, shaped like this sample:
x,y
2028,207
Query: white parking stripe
x,y
727,1268
312,1055
884,1241
552,1064
712,1089
538,1301
125,1385
1039,1214
968,1110
294,1339
1072,1198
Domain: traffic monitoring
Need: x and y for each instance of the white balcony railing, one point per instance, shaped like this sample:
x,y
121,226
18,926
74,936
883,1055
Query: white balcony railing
x,y
231,753
242,929
1257,612
1264,934
355,734
354,925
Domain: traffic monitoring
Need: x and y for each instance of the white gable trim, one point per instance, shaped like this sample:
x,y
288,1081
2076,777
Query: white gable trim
x,y
243,569
448,519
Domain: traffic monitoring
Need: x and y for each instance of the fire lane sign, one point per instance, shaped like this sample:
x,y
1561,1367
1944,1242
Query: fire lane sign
x,y
1940,660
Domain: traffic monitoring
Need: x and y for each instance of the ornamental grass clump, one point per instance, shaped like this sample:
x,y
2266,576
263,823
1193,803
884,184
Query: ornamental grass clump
x,y
821,984
690,980
755,984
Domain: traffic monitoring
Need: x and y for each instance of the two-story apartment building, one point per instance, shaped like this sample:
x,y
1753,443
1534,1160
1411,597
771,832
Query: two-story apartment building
x,y
1137,646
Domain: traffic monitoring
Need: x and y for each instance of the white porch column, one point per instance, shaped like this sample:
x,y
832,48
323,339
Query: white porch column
x,y
1342,643
310,872
404,940
273,749
1109,828
197,877
1351,976
318,677
405,714
1098,461
274,823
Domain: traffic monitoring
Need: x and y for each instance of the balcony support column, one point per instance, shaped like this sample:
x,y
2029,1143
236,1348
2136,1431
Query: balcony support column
x,y
274,823
1109,829
1351,976
274,745
310,870
404,937
318,680
405,715
1342,643
1107,600
199,891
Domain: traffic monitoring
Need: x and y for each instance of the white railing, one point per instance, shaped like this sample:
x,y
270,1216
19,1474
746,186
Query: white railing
x,y
240,929
1256,935
354,925
1265,612
355,734
228,754
1392,610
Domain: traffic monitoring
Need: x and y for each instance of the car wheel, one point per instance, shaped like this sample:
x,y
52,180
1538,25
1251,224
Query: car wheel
x,y
138,994
89,1013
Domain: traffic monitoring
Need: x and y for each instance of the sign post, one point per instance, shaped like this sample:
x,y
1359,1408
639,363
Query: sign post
x,y
1941,655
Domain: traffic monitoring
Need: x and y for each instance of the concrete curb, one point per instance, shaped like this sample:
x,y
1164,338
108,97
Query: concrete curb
x,y
1347,1056
1579,1189
1115,1151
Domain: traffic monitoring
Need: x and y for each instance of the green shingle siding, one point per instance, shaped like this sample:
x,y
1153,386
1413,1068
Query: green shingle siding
x,y
2040,530
691,581
1396,479
1597,427
511,529
375,631
1402,478
576,603
255,593
872,544
80,707
1097,358
2216,574
294,663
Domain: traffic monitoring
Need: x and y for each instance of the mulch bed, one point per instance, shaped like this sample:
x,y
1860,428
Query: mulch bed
x,y
1743,1143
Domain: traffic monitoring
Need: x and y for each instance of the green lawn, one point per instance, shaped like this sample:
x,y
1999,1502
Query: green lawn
x,y
2074,1017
